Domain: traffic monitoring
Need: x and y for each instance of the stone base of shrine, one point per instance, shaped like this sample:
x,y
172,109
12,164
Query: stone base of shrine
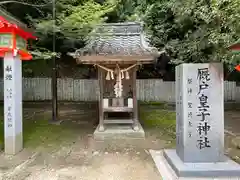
x,y
118,132
171,167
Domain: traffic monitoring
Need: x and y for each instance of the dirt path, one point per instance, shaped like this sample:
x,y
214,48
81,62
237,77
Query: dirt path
x,y
84,160
232,121
98,166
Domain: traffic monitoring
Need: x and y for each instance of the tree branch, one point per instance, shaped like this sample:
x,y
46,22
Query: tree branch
x,y
24,3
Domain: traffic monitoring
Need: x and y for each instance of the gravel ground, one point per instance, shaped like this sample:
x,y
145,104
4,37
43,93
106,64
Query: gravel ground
x,y
96,161
85,159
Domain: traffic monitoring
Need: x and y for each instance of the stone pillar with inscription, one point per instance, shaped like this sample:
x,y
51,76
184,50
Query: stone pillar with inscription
x,y
200,112
200,124
12,104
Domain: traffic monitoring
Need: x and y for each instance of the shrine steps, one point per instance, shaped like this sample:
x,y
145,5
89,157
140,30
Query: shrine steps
x,y
118,121
116,131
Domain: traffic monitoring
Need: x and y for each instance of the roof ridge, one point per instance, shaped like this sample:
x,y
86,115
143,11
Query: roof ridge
x,y
121,24
118,29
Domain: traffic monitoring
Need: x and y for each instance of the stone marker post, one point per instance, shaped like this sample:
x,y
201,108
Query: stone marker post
x,y
200,118
12,104
14,37
200,123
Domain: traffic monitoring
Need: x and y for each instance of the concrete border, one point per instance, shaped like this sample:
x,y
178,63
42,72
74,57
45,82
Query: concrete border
x,y
167,172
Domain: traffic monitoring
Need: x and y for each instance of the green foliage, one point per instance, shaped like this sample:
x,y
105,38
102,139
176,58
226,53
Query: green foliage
x,y
195,30
124,10
74,20
159,119
38,133
63,26
190,30
79,20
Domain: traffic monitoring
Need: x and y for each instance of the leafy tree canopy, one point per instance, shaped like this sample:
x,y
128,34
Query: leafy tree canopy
x,y
68,28
189,30
73,21
195,30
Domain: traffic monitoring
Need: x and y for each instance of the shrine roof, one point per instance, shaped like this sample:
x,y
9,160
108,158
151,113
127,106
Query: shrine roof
x,y
117,40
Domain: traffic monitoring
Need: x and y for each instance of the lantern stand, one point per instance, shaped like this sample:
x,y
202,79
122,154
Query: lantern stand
x,y
13,48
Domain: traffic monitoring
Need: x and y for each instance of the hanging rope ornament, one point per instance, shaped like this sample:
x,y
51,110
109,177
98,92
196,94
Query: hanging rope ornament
x,y
122,75
108,76
127,75
112,75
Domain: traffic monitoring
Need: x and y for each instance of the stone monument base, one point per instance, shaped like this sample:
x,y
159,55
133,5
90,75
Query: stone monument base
x,y
171,167
119,132
13,145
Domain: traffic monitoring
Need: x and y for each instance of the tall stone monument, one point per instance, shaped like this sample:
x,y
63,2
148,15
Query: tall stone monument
x,y
200,112
200,124
13,104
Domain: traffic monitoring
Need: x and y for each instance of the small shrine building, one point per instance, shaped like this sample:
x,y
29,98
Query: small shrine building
x,y
117,50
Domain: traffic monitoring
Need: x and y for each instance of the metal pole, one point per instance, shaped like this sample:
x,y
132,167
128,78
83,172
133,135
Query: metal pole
x,y
54,91
54,73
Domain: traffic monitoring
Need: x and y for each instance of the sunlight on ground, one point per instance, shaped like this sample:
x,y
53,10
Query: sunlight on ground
x,y
156,116
73,151
37,132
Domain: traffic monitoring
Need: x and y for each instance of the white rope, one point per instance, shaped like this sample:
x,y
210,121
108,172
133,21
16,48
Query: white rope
x,y
104,68
118,87
122,70
130,67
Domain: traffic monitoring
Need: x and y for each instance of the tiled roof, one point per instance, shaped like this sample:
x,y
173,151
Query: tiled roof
x,y
121,39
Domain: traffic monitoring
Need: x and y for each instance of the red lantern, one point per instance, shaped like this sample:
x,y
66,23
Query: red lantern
x,y
237,67
14,39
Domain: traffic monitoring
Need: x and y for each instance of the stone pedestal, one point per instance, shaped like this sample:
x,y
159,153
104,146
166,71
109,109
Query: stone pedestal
x,y
12,104
114,132
200,123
